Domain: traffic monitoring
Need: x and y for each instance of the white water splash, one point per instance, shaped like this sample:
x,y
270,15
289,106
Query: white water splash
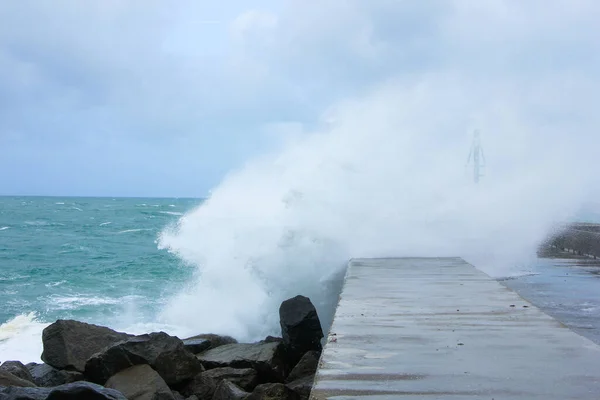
x,y
383,177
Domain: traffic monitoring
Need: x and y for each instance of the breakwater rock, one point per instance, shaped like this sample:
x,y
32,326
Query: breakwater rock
x,y
84,361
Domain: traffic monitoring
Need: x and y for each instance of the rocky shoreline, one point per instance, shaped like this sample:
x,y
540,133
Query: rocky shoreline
x,y
84,361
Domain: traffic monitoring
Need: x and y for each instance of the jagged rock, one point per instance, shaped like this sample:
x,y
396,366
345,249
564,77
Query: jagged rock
x,y
69,344
229,391
268,359
47,376
162,352
271,339
302,387
199,343
245,378
140,383
178,396
300,327
70,391
17,369
201,386
273,391
307,366
8,379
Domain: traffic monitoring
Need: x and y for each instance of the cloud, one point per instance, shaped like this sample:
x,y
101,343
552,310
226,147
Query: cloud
x,y
151,78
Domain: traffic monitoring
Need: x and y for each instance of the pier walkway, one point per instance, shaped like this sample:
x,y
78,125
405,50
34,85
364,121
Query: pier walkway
x,y
438,328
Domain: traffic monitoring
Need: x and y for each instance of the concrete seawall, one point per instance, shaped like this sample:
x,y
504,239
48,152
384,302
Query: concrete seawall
x,y
438,328
581,239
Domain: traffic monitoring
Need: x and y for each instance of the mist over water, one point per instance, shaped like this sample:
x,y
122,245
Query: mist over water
x,y
384,175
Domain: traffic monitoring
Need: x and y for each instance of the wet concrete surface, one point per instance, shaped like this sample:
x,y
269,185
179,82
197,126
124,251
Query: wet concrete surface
x,y
441,329
567,289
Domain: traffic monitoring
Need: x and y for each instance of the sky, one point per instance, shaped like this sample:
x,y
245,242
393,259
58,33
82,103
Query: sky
x,y
154,98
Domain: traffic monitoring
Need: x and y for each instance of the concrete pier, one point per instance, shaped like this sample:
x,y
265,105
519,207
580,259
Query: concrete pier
x,y
438,328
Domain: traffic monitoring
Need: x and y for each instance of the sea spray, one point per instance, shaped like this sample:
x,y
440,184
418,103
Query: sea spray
x,y
383,176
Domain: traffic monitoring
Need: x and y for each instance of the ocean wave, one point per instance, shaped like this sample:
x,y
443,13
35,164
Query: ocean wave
x,y
54,284
76,302
171,213
105,223
4,228
60,203
21,338
77,208
134,230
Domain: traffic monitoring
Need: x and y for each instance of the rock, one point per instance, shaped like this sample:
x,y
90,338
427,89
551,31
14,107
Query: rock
x,y
69,344
200,386
302,387
245,378
229,391
84,390
17,369
198,344
71,391
162,352
307,366
8,379
47,376
268,359
300,327
271,339
24,393
272,391
140,383
178,396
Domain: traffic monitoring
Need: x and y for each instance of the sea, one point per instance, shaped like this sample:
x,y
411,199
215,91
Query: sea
x,y
99,260
90,259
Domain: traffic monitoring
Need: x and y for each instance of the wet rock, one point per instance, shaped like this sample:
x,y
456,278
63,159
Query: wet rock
x,y
273,391
8,379
302,387
178,396
71,391
229,391
200,386
84,390
300,327
166,354
245,378
272,339
268,359
17,369
47,376
199,343
307,366
140,383
69,344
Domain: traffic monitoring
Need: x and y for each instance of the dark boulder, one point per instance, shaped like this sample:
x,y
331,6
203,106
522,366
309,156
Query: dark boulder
x,y
271,339
8,379
166,354
47,376
268,359
229,391
17,369
307,366
300,327
200,386
245,378
69,344
273,391
71,391
199,343
140,383
178,396
302,387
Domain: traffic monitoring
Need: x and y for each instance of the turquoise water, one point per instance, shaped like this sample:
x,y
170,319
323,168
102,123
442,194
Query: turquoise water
x,y
91,259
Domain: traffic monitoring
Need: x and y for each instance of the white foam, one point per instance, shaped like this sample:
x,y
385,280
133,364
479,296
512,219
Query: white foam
x,y
4,228
384,176
21,338
105,223
76,302
133,230
77,208
171,213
